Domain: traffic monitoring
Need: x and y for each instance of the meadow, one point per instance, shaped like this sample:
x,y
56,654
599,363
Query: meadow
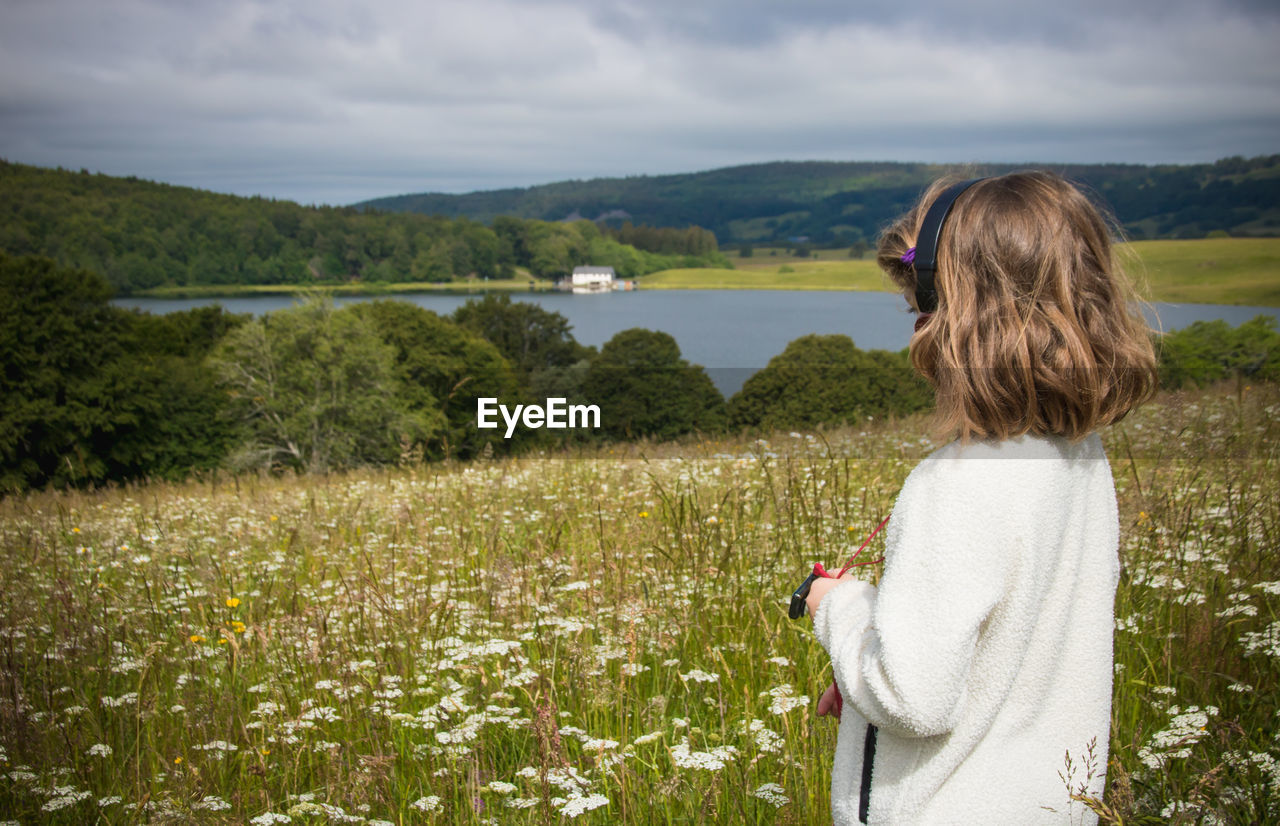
x,y
598,636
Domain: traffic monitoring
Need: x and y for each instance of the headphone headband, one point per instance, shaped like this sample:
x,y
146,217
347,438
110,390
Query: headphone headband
x,y
926,249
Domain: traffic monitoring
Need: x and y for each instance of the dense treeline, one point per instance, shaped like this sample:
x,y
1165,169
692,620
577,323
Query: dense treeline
x,y
141,235
549,249
666,240
837,204
91,393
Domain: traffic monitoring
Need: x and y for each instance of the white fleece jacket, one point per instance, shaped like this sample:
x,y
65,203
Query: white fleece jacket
x,y
985,653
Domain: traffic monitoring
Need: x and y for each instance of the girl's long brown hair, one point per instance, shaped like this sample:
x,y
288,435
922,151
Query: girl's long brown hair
x,y
1037,328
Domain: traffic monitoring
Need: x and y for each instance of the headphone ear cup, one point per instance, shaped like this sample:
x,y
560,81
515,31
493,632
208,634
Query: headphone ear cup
x,y
925,262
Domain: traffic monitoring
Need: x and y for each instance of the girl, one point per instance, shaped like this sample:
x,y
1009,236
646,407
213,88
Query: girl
x,y
984,655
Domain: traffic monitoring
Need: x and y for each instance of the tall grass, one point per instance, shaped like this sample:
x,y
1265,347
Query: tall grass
x,y
598,636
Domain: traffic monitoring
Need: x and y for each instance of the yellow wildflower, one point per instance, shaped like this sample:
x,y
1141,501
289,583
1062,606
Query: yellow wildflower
x,y
232,602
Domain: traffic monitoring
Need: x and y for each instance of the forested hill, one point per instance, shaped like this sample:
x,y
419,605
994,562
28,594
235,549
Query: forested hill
x,y
141,234
843,203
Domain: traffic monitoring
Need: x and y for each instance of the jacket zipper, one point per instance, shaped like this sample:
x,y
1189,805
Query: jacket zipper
x,y
868,757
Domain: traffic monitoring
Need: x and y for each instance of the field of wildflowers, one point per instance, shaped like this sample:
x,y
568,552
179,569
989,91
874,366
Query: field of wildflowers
x,y
593,636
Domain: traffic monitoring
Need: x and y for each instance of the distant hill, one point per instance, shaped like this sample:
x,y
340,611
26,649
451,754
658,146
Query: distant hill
x,y
142,235
837,203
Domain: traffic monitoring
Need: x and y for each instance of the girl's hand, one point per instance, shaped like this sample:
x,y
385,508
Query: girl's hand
x,y
827,703
819,589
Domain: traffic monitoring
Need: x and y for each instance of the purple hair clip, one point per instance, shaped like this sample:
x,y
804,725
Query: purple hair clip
x,y
909,257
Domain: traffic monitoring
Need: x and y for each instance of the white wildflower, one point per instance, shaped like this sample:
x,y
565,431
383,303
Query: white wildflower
x,y
123,699
219,745
431,803
500,787
1265,642
772,793
712,760
64,796
576,805
594,744
784,699
1185,729
767,740
522,802
212,803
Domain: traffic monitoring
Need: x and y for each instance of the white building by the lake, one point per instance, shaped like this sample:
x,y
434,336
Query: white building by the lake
x,y
592,279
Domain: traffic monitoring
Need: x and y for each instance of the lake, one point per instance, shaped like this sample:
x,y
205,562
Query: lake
x,y
732,333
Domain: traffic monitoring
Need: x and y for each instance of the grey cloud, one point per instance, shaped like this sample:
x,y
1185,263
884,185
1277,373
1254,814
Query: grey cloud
x,y
327,101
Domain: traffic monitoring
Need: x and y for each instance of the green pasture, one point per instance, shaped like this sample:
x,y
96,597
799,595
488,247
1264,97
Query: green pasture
x,y
1209,271
787,274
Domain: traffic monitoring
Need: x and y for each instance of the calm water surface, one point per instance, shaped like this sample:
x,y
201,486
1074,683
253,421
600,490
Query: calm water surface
x,y
731,332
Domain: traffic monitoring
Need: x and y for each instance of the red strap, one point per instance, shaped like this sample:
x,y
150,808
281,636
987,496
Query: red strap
x,y
821,571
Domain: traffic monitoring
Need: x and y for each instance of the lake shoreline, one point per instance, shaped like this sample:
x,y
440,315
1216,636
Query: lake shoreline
x,y
459,288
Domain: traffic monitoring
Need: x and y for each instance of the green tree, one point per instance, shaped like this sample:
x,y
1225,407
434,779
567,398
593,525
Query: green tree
x,y
433,263
1210,351
316,390
644,388
56,333
530,338
442,370
91,392
826,380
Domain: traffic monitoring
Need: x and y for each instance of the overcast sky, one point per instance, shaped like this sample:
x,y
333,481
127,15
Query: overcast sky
x,y
327,102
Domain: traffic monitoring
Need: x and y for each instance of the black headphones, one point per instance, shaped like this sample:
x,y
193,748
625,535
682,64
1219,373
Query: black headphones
x,y
926,257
